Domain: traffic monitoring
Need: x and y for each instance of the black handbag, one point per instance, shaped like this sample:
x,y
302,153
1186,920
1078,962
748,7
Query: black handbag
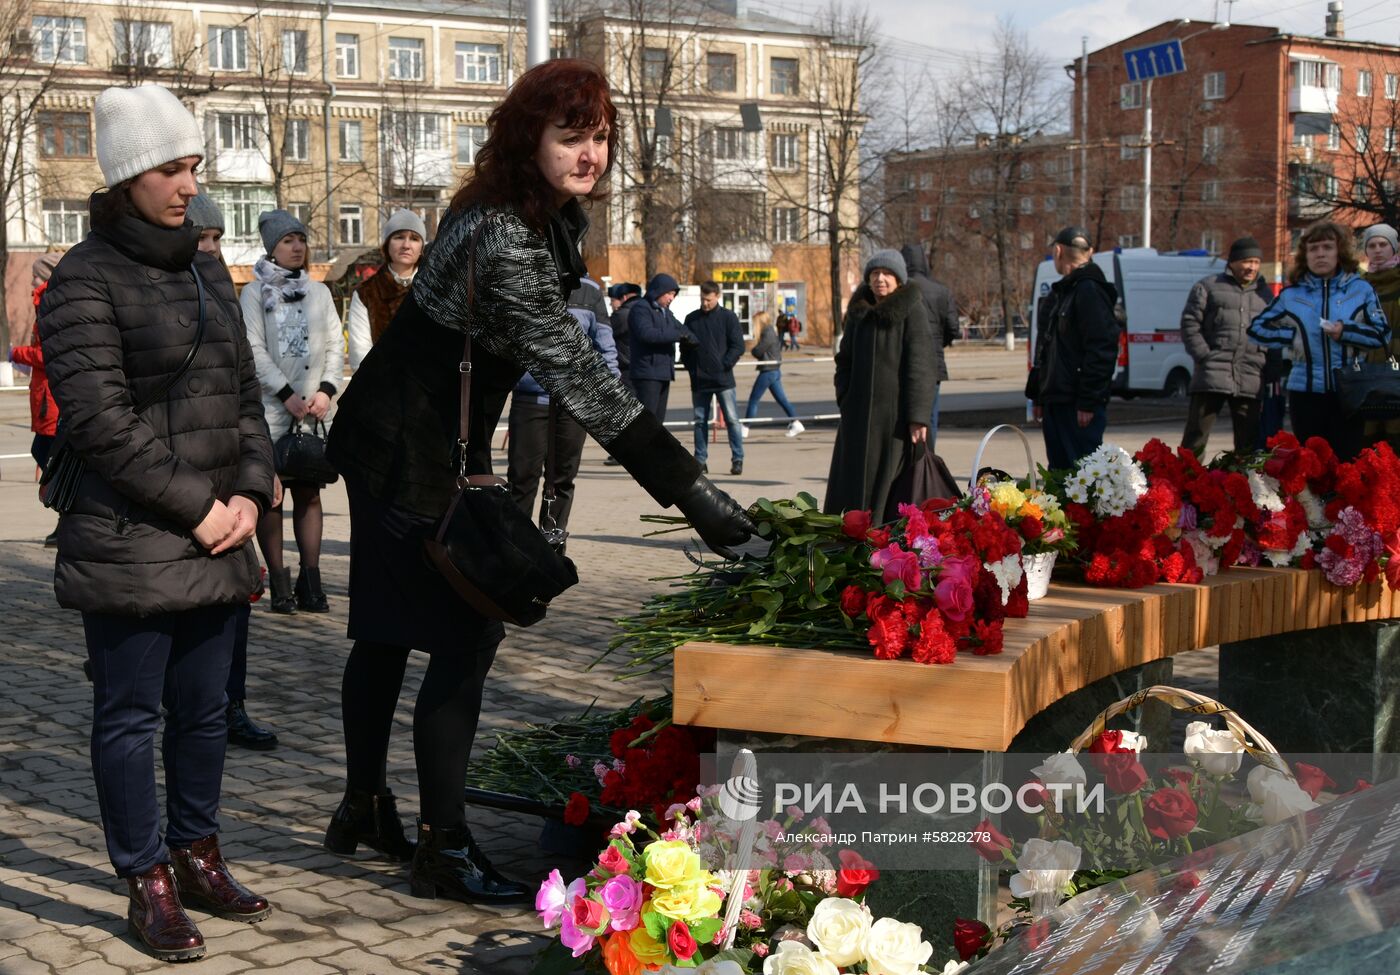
x,y
488,550
300,455
58,487
1368,390
923,477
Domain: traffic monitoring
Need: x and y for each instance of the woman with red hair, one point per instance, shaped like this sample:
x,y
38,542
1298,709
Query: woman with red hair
x,y
505,259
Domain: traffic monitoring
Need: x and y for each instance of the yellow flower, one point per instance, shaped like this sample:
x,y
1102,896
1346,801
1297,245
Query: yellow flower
x,y
1007,498
648,950
689,902
671,863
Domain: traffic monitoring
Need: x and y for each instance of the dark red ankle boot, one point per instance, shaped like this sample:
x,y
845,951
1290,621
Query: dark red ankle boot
x,y
156,919
205,884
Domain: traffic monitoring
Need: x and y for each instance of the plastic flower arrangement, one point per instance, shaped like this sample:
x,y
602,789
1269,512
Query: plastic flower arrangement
x,y
1035,515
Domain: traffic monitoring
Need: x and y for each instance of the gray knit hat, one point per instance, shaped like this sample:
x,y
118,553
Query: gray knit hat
x,y
204,213
273,225
403,220
141,128
1383,230
890,260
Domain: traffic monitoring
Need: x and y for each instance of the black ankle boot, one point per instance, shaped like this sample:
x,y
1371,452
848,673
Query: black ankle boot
x,y
244,733
280,582
448,863
373,820
309,594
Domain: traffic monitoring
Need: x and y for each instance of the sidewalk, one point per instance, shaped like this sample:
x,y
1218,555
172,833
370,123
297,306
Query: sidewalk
x,y
61,910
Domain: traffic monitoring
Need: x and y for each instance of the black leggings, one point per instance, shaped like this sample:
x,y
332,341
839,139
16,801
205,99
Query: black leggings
x,y
444,720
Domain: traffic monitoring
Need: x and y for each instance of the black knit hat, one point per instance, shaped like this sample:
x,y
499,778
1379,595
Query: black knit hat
x,y
1243,249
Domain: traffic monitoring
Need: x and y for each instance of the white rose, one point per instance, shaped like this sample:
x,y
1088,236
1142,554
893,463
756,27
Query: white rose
x,y
838,928
953,967
895,948
795,958
1063,769
1218,752
1043,870
1277,796
1133,740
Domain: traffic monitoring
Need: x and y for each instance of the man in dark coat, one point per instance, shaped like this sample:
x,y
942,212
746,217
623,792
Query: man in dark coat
x,y
720,340
653,332
942,318
885,377
621,297
1075,353
1228,366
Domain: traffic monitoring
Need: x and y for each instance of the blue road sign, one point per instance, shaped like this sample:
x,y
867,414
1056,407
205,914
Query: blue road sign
x,y
1155,60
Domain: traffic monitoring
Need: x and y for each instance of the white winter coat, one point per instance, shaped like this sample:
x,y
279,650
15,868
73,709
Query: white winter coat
x,y
322,362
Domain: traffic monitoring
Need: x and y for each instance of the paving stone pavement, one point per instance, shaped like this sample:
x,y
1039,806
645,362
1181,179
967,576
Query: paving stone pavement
x,y
61,909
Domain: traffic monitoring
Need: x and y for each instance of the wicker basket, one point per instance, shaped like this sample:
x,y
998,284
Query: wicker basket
x,y
1025,442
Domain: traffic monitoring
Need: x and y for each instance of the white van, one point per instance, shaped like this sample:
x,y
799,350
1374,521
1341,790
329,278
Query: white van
x,y
1152,290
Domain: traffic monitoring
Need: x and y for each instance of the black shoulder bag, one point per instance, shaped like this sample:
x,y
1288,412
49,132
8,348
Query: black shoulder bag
x,y
58,487
487,549
1368,390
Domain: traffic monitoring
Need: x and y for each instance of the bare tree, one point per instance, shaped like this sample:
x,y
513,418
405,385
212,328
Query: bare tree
x,y
147,46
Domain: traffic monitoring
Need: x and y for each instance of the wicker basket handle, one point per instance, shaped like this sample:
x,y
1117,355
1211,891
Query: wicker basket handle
x,y
1025,442
1180,699
745,765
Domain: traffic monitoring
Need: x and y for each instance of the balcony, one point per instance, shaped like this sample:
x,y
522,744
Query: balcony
x,y
1307,207
241,166
411,167
1312,99
1300,155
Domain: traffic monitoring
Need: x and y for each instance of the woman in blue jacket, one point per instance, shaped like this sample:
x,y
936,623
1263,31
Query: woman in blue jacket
x,y
1326,314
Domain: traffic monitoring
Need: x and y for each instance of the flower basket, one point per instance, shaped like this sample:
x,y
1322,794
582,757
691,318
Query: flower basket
x,y
1025,442
1038,566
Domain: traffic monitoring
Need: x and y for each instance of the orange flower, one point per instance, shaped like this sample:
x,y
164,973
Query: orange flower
x,y
1032,510
619,957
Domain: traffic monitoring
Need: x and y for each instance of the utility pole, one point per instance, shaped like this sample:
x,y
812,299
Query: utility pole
x,y
1147,166
1084,129
537,32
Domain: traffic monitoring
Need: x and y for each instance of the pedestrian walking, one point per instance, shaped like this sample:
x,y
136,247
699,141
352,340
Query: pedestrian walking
x,y
793,330
885,375
718,345
942,320
1228,367
154,549
653,333
505,258
534,422
43,411
299,349
1076,348
768,350
377,300
1328,314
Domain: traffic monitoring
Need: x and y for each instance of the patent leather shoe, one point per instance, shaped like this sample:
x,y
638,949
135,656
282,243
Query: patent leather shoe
x,y
204,882
156,919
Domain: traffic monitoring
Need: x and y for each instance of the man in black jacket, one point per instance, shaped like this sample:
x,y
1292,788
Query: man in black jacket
x,y
621,297
711,362
1075,351
653,332
942,319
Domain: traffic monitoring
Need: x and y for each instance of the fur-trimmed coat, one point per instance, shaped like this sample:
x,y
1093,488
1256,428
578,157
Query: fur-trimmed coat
x,y
886,378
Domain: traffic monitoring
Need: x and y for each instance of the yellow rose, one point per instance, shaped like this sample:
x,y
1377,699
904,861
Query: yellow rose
x,y
689,902
671,863
1007,498
648,950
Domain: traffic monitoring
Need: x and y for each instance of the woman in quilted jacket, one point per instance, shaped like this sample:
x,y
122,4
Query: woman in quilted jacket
x,y
504,261
154,379
43,411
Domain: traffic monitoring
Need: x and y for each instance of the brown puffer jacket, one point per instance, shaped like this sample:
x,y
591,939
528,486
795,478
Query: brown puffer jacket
x,y
120,315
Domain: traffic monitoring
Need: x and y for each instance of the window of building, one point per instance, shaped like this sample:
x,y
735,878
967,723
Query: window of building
x,y
1026,241
294,51
1362,190
1215,85
783,76
1392,86
296,146
65,221
1051,204
60,40
347,55
1212,138
1390,144
1210,191
64,134
728,143
925,214
143,43
721,71
656,63
1210,241
1363,82
479,64
302,211
352,141
1129,240
925,181
416,130
237,130
241,206
1317,74
1130,95
1027,204
1130,196
405,59
786,225
1027,170
1363,138
469,140
785,150
1051,167
228,48
1334,137
1129,147
351,224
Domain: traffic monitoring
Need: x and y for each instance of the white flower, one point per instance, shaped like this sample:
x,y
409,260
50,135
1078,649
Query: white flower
x,y
1113,479
712,967
1061,768
1264,490
838,929
1043,869
795,958
1133,740
1316,511
1218,752
1007,573
1276,796
895,948
953,967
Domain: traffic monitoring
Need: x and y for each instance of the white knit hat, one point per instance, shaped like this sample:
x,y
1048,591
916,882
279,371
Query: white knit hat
x,y
141,128
404,220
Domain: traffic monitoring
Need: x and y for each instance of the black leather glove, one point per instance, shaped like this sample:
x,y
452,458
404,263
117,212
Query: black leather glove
x,y
717,517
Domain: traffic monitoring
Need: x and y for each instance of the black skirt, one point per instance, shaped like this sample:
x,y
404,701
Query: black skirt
x,y
396,595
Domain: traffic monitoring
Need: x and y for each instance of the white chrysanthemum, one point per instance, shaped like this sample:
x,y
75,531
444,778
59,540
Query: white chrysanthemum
x,y
1264,489
1316,512
1007,573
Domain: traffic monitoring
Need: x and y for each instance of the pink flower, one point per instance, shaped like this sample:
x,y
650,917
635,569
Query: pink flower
x,y
578,941
694,804
622,896
612,861
749,919
793,812
954,596
628,825
676,810
553,897
796,863
573,761
773,829
760,949
898,565
599,770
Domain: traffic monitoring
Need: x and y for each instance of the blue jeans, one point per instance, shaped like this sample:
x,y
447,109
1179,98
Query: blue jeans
x,y
729,406
768,379
1065,440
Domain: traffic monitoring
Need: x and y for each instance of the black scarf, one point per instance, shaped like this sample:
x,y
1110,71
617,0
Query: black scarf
x,y
168,248
563,237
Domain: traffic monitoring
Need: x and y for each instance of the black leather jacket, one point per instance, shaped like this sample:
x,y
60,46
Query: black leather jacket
x,y
1076,345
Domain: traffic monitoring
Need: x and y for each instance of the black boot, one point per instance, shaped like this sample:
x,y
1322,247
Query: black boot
x,y
309,594
280,582
373,820
448,863
244,733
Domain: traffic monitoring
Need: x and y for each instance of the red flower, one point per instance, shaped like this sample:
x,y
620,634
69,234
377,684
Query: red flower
x,y
1361,786
853,600
986,637
1169,813
1312,779
589,915
611,860
1124,774
969,937
855,875
855,524
1181,776
680,941
889,631
576,810
934,645
993,849
878,537
1031,528
1018,606
954,597
1037,933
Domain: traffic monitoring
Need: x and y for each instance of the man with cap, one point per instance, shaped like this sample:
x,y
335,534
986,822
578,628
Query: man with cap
x,y
1229,368
1076,348
622,298
653,332
376,301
